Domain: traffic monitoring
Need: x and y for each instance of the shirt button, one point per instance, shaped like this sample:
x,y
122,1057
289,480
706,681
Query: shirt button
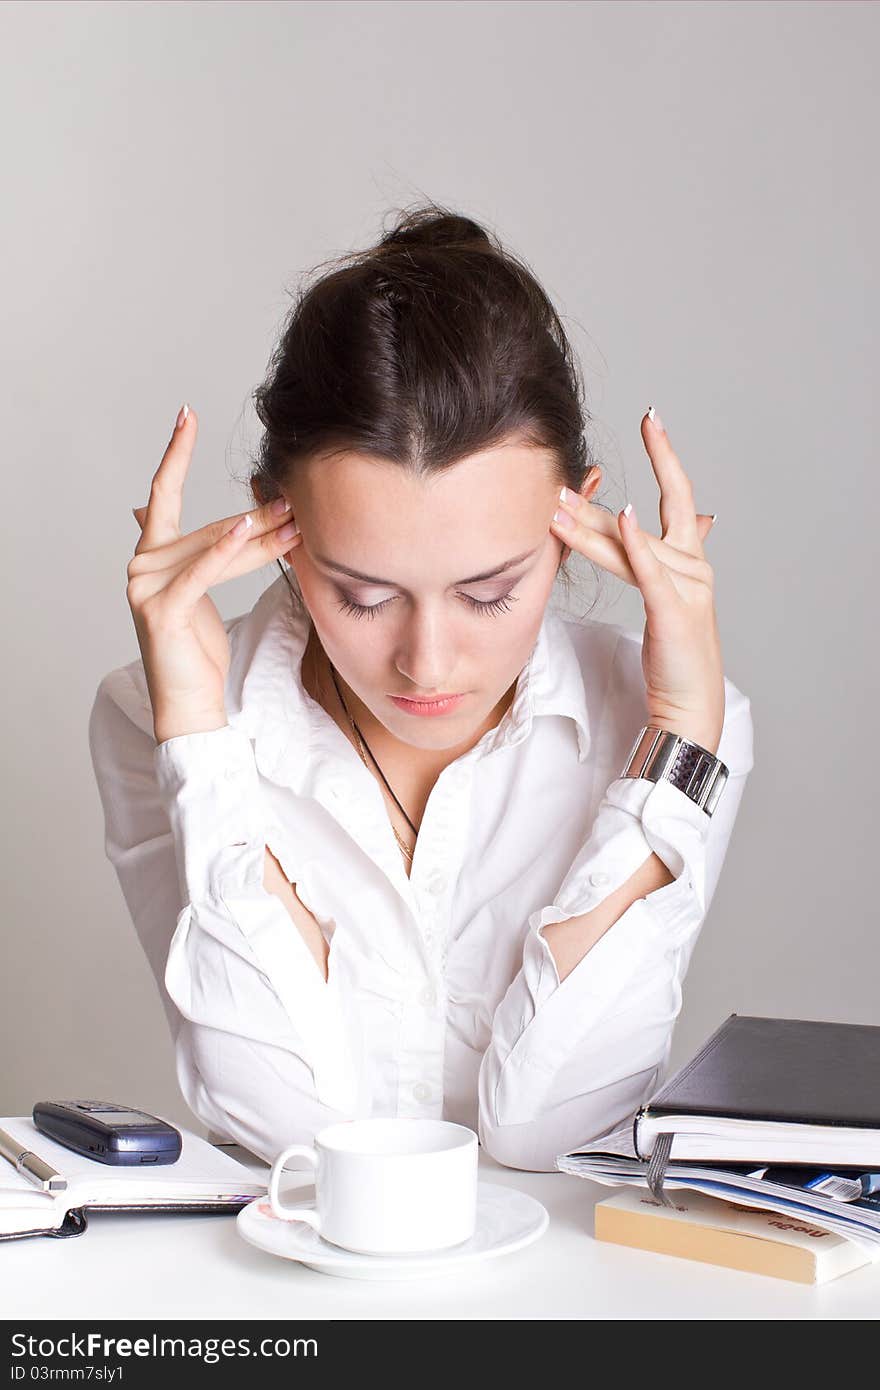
x,y
422,1091
231,774
427,997
598,877
436,884
338,790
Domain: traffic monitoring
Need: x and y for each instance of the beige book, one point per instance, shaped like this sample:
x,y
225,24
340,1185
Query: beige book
x,y
717,1232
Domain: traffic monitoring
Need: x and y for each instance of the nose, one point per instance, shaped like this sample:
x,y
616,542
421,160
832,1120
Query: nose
x,y
427,656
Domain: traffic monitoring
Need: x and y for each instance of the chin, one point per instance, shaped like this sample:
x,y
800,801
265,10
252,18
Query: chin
x,y
437,738
434,733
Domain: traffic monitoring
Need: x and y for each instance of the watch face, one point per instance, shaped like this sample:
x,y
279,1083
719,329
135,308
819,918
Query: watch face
x,y
700,775
660,755
685,764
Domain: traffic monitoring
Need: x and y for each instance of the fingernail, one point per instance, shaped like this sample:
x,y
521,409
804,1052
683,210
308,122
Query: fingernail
x,y
563,520
655,420
288,532
629,512
280,506
181,416
243,524
714,517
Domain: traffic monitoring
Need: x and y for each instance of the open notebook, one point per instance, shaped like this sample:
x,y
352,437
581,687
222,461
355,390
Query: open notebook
x,y
203,1179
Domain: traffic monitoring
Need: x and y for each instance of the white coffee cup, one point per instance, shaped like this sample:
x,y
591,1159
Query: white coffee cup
x,y
388,1186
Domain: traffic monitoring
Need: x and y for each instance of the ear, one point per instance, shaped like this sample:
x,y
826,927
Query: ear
x,y
590,485
588,489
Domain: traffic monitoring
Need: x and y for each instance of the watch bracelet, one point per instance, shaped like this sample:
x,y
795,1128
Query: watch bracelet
x,y
660,755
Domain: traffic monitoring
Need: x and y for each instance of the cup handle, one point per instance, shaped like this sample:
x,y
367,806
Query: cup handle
x,y
285,1213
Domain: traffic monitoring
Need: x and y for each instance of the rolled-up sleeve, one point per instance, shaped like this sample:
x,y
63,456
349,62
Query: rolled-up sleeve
x,y
568,1060
261,1049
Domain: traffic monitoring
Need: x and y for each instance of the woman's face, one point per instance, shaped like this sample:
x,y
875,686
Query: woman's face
x,y
421,621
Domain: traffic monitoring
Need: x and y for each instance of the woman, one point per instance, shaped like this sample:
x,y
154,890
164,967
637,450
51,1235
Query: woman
x,y
375,835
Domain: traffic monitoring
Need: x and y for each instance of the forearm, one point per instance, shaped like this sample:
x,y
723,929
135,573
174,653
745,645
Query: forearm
x,y
176,724
275,881
570,941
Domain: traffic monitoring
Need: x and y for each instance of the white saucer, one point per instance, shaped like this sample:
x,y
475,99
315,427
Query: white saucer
x,y
507,1220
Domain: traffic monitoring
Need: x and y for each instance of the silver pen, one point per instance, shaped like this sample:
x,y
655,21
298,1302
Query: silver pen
x,y
34,1168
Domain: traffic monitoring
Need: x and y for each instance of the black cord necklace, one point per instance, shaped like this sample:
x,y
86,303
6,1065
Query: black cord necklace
x,y
367,746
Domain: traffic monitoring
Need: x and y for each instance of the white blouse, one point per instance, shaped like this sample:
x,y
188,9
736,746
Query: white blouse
x,y
443,998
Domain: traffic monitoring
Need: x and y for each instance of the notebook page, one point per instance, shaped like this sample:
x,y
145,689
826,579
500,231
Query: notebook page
x,y
202,1173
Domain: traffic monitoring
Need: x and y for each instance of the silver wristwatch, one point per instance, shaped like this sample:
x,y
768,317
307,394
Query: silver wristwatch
x,y
659,755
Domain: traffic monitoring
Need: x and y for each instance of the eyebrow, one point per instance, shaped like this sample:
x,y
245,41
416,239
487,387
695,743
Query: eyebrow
x,y
390,584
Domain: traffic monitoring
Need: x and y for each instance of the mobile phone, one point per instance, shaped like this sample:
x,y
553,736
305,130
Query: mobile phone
x,y
107,1132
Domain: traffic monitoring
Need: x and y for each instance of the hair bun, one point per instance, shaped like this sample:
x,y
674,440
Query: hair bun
x,y
433,226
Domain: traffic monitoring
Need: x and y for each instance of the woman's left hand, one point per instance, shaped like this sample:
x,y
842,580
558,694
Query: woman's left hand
x,y
681,649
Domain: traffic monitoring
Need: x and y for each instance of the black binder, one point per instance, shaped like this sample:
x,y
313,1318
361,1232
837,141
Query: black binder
x,y
783,1070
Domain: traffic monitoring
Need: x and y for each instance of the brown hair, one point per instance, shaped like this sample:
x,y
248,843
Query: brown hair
x,y
431,345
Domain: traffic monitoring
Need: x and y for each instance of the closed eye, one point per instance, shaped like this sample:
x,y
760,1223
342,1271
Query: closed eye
x,y
495,605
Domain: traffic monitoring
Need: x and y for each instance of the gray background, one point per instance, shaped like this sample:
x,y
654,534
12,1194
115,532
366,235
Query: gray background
x,y
693,184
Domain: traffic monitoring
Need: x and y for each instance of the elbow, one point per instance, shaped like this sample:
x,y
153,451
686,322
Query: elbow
x,y
265,1138
263,1130
526,1138
535,1146
262,1097
525,1147
564,1125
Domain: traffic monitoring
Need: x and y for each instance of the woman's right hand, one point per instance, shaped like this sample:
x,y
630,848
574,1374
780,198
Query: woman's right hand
x,y
181,635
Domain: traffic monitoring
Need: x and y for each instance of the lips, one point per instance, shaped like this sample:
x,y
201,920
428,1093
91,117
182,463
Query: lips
x,y
444,705
427,699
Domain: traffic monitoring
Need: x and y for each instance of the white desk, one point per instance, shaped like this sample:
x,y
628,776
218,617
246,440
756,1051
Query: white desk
x,y
176,1266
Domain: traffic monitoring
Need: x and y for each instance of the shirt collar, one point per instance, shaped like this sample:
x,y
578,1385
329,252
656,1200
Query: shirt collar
x,y
550,683
285,724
